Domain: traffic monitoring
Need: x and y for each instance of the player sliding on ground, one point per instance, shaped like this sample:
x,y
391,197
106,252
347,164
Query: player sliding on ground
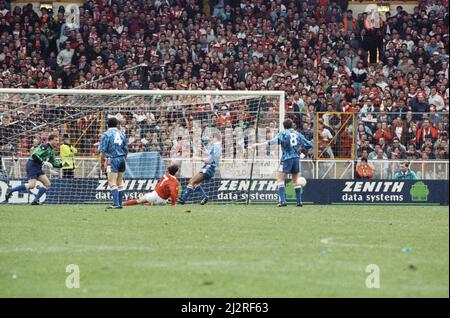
x,y
167,187
290,140
43,154
113,152
207,171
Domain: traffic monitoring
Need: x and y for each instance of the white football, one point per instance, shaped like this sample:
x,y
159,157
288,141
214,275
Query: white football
x,y
302,181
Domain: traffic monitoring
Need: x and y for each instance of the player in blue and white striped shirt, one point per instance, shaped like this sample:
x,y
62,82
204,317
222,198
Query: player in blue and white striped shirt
x,y
114,150
290,141
207,171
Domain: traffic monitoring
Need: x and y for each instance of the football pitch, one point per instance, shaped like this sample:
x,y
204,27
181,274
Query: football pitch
x,y
224,251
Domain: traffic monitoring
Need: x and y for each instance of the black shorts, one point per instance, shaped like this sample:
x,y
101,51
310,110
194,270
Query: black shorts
x,y
34,170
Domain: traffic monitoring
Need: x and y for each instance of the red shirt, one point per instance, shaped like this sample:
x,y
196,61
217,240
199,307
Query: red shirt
x,y
167,187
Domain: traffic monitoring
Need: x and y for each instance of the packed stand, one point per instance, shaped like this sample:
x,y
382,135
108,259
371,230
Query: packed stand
x,y
391,71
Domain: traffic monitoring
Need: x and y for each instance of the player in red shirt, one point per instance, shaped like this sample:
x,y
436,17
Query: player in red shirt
x,y
167,187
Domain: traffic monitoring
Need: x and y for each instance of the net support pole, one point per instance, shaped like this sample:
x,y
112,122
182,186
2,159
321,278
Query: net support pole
x,y
254,150
281,111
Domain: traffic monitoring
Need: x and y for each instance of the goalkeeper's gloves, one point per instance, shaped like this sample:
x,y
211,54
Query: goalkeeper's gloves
x,y
53,172
47,164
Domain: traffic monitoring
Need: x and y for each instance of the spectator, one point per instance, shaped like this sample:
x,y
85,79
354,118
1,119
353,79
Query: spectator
x,y
377,153
405,172
436,99
67,152
307,131
426,131
325,140
374,25
419,105
65,56
259,45
385,132
412,153
364,170
396,144
350,22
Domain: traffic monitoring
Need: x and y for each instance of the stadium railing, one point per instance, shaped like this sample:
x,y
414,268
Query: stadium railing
x,y
88,168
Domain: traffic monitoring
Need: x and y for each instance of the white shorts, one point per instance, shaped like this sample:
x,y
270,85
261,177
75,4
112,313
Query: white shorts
x,y
154,198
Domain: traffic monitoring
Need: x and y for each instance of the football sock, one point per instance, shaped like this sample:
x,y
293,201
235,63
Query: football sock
x,y
199,188
40,193
131,202
281,193
21,187
187,193
115,195
298,193
120,189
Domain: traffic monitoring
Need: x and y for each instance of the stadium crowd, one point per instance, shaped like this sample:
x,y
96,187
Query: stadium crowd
x,y
393,72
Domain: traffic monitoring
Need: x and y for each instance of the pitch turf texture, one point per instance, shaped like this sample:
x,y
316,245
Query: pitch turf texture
x,y
224,251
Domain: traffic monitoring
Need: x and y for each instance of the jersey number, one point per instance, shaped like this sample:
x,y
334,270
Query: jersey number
x,y
293,140
117,139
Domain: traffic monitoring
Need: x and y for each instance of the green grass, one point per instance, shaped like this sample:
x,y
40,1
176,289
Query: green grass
x,y
224,251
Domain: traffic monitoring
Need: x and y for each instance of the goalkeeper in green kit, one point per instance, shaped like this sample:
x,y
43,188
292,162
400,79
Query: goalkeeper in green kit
x,y
43,154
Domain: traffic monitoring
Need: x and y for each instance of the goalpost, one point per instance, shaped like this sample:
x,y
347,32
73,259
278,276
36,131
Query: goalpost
x,y
162,127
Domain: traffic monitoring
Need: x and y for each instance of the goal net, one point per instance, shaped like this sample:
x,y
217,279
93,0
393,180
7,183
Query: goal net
x,y
335,131
162,127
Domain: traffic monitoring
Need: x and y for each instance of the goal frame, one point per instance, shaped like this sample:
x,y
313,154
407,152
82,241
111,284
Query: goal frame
x,y
43,94
46,91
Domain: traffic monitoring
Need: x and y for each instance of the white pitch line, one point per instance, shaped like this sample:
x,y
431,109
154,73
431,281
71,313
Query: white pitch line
x,y
326,240
111,248
358,245
79,249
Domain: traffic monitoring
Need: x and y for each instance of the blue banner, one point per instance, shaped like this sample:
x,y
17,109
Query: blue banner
x,y
144,165
226,191
421,192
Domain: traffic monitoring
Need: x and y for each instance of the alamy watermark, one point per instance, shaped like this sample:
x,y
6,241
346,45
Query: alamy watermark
x,y
373,280
73,280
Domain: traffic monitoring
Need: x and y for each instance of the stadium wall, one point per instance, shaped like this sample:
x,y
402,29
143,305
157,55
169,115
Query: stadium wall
x,y
262,191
